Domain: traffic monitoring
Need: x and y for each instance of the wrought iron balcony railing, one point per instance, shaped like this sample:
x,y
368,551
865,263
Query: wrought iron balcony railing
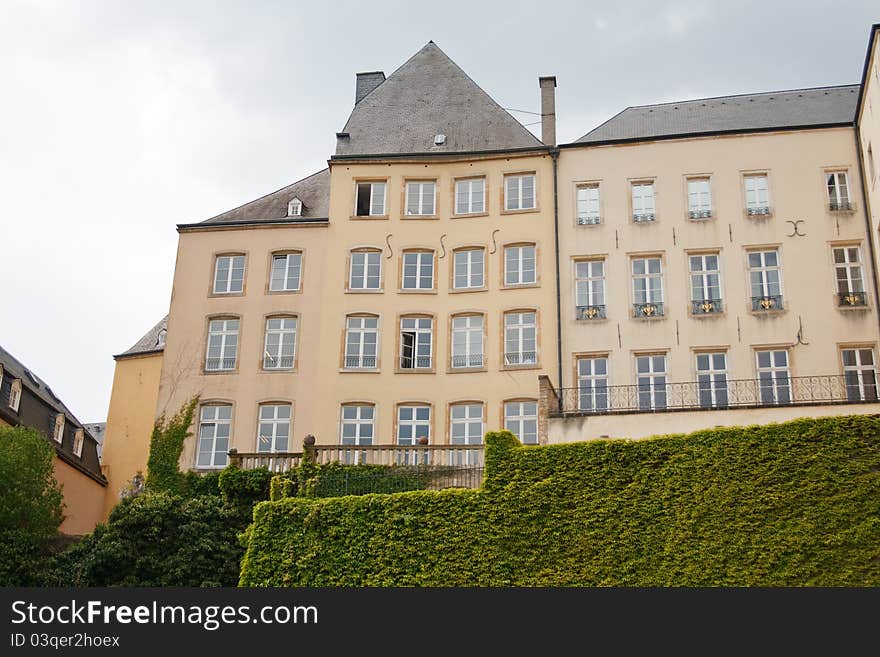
x,y
758,211
706,306
415,362
521,358
643,217
360,362
767,303
591,312
649,309
716,395
840,206
852,299
277,362
700,214
219,364
589,219
470,360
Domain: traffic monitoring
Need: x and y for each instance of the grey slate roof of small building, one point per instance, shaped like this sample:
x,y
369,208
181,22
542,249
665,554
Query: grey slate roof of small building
x,y
427,96
97,429
763,111
14,367
149,343
313,191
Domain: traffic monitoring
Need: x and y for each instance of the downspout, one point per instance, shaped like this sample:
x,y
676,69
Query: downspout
x,y
867,206
554,153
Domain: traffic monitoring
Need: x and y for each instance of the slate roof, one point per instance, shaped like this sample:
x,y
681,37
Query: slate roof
x,y
763,111
149,343
98,430
17,370
430,95
313,191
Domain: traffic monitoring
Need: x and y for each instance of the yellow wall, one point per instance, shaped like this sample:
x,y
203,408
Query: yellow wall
x,y
130,421
869,137
83,499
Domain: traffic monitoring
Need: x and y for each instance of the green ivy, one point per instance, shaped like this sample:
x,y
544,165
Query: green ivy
x,y
166,446
778,505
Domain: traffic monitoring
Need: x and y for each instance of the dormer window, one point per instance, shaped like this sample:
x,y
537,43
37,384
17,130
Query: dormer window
x,y
294,208
78,440
15,395
160,339
58,433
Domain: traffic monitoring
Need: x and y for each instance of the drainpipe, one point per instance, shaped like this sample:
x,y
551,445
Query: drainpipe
x,y
554,153
867,206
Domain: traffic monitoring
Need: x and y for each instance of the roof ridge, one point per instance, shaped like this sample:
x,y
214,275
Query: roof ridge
x,y
743,95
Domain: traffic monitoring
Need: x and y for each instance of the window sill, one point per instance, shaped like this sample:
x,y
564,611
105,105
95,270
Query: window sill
x,y
415,370
849,309
757,217
359,370
522,211
597,320
297,291
514,368
218,372
768,313
469,215
523,286
851,210
416,217
652,318
465,290
708,315
280,370
407,291
466,370
364,291
220,295
369,217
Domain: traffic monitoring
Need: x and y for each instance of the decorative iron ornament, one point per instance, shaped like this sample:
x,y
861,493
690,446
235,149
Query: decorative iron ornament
x,y
390,250
591,312
707,306
795,225
767,303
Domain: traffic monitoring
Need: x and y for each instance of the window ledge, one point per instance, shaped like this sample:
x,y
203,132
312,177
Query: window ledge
x,y
597,320
523,286
522,211
768,313
514,368
415,370
469,215
368,217
409,217
365,291
359,370
465,290
653,318
297,291
466,370
221,295
408,291
218,372
849,309
280,370
723,313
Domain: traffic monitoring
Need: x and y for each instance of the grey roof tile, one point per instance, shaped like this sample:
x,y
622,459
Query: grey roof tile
x,y
763,111
313,191
149,343
427,96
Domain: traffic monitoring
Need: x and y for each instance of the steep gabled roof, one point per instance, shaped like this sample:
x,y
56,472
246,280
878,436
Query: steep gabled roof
x,y
797,108
149,343
427,96
313,191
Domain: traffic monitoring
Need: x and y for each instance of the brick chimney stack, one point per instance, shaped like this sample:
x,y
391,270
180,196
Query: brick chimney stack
x,y
366,82
548,109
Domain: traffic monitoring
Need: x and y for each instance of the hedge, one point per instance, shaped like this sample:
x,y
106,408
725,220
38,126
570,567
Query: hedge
x,y
777,505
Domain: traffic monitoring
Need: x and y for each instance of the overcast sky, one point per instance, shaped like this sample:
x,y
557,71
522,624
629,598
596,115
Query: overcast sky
x,y
122,119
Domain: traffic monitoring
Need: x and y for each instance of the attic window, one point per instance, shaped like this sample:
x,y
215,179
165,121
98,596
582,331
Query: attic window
x,y
15,395
78,439
294,208
160,339
439,140
59,428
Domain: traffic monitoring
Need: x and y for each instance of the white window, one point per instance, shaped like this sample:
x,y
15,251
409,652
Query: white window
x,y
356,425
274,432
280,347
643,201
850,277
15,395
520,338
370,199
286,271
651,381
366,270
588,204
757,195
521,419
705,283
765,280
467,341
860,374
413,422
160,338
418,270
774,379
361,340
589,281
647,286
229,274
420,198
519,192
699,198
469,269
466,424
294,208
78,439
519,265
214,428
838,190
58,431
416,343
712,379
592,383
470,196
222,345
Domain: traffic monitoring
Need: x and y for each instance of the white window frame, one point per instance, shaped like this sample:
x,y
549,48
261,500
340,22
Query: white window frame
x,y
228,344
420,258
867,389
517,415
421,336
423,194
294,208
372,261
837,184
467,352
474,272
588,204
652,294
415,424
275,359
210,415
773,370
588,276
376,210
593,385
15,395
699,191
79,438
361,420
712,379
514,198
653,382
356,325
58,429
520,270
267,442
474,187
225,285
473,412
700,279
757,191
286,269
643,203
520,331
847,266
764,271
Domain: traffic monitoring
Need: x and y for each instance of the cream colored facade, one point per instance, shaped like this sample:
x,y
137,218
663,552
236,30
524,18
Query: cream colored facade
x,y
869,133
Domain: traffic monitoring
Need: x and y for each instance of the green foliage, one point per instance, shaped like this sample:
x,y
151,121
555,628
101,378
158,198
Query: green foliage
x,y
166,446
30,504
779,505
338,479
244,488
157,539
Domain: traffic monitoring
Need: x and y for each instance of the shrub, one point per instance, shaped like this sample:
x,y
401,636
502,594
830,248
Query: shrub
x,y
787,504
30,504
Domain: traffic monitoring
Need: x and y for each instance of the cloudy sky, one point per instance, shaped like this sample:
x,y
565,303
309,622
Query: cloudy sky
x,y
122,119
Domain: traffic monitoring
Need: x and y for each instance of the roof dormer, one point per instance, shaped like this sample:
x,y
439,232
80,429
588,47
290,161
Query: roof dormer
x,y
294,207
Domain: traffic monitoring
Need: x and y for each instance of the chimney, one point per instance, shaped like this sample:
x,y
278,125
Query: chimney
x,y
366,82
548,109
